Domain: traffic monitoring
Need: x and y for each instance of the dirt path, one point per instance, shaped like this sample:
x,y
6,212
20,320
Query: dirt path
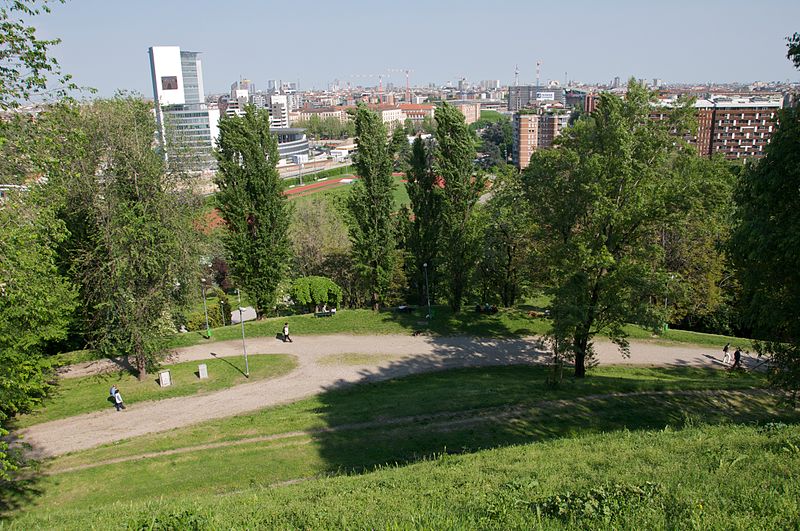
x,y
443,420
395,356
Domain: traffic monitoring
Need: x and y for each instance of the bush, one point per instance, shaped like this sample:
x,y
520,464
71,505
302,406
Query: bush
x,y
315,292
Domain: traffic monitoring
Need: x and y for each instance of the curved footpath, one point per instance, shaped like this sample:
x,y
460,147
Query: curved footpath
x,y
318,370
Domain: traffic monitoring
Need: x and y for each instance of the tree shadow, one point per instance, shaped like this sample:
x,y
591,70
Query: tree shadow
x,y
473,394
24,485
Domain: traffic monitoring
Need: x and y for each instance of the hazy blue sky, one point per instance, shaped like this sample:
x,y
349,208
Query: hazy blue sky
x,y
314,41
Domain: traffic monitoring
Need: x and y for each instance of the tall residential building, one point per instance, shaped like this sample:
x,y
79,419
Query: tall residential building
x,y
736,127
278,110
184,121
534,130
527,95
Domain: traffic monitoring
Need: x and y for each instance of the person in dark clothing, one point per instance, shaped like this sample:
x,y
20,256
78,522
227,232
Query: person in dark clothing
x,y
737,358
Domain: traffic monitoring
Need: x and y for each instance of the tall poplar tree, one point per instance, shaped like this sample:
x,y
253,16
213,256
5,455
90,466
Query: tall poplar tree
x,y
454,163
426,204
370,206
252,203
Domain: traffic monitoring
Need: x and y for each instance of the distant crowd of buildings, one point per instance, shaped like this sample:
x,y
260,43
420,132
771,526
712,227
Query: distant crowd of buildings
x,y
735,123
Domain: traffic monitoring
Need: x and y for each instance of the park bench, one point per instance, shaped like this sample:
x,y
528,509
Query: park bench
x,y
325,314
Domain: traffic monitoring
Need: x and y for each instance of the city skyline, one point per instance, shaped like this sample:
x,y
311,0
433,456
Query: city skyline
x,y
356,42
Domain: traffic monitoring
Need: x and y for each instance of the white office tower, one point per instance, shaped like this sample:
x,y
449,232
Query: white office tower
x,y
181,111
279,110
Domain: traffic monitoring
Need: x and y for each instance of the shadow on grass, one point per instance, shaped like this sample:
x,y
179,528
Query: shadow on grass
x,y
222,359
23,486
396,416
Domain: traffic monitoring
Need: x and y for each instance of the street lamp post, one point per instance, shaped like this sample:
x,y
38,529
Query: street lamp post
x,y
244,346
205,308
427,291
222,311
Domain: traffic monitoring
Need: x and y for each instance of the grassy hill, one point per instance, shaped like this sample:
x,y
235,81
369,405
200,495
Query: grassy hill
x,y
469,448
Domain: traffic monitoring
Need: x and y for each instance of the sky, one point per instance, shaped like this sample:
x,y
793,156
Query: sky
x,y
104,42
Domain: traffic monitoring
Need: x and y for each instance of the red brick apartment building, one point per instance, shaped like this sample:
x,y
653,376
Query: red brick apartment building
x,y
535,130
737,127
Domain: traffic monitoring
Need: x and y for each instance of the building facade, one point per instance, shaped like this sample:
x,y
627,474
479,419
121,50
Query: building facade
x,y
470,109
534,131
528,95
181,112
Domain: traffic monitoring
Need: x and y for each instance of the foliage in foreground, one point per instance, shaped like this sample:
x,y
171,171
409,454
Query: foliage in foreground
x,y
766,248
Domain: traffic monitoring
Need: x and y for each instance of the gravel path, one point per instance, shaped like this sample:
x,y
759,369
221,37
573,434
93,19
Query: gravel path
x,y
317,371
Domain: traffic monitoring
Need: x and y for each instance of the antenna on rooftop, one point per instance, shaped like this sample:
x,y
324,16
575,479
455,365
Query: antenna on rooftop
x,y
516,75
538,64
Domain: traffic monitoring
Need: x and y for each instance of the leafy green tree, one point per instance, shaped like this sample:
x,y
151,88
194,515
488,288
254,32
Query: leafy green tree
x,y
793,54
316,292
370,206
25,67
424,239
766,249
252,203
133,244
599,201
695,246
455,153
36,304
401,149
508,242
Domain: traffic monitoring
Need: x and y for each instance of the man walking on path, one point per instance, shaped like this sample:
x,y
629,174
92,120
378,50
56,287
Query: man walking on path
x,y
118,400
737,358
286,333
726,359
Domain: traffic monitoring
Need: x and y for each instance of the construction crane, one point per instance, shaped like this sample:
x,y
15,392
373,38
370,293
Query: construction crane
x,y
516,75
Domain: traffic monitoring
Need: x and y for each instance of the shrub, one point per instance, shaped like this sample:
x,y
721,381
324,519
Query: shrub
x,y
315,292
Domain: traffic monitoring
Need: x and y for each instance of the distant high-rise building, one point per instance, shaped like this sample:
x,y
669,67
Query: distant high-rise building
x,y
616,83
183,117
272,86
527,95
279,110
657,82
490,84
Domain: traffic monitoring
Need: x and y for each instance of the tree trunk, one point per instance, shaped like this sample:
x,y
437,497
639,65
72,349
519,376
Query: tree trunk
x,y
141,366
580,356
375,304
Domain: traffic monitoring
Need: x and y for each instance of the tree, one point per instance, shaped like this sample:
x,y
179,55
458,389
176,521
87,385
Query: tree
x,y
253,206
599,201
793,54
316,292
508,241
455,153
424,239
766,249
370,206
401,149
133,246
24,63
317,232
36,304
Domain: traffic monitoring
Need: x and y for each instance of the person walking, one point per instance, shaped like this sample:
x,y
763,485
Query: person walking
x,y
118,401
286,333
737,358
726,359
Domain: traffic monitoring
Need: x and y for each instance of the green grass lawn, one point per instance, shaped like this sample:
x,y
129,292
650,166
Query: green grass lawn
x,y
516,447
74,396
491,116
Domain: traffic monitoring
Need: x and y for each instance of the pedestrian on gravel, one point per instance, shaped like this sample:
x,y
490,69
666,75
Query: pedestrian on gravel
x,y
726,359
118,401
112,391
286,333
737,358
